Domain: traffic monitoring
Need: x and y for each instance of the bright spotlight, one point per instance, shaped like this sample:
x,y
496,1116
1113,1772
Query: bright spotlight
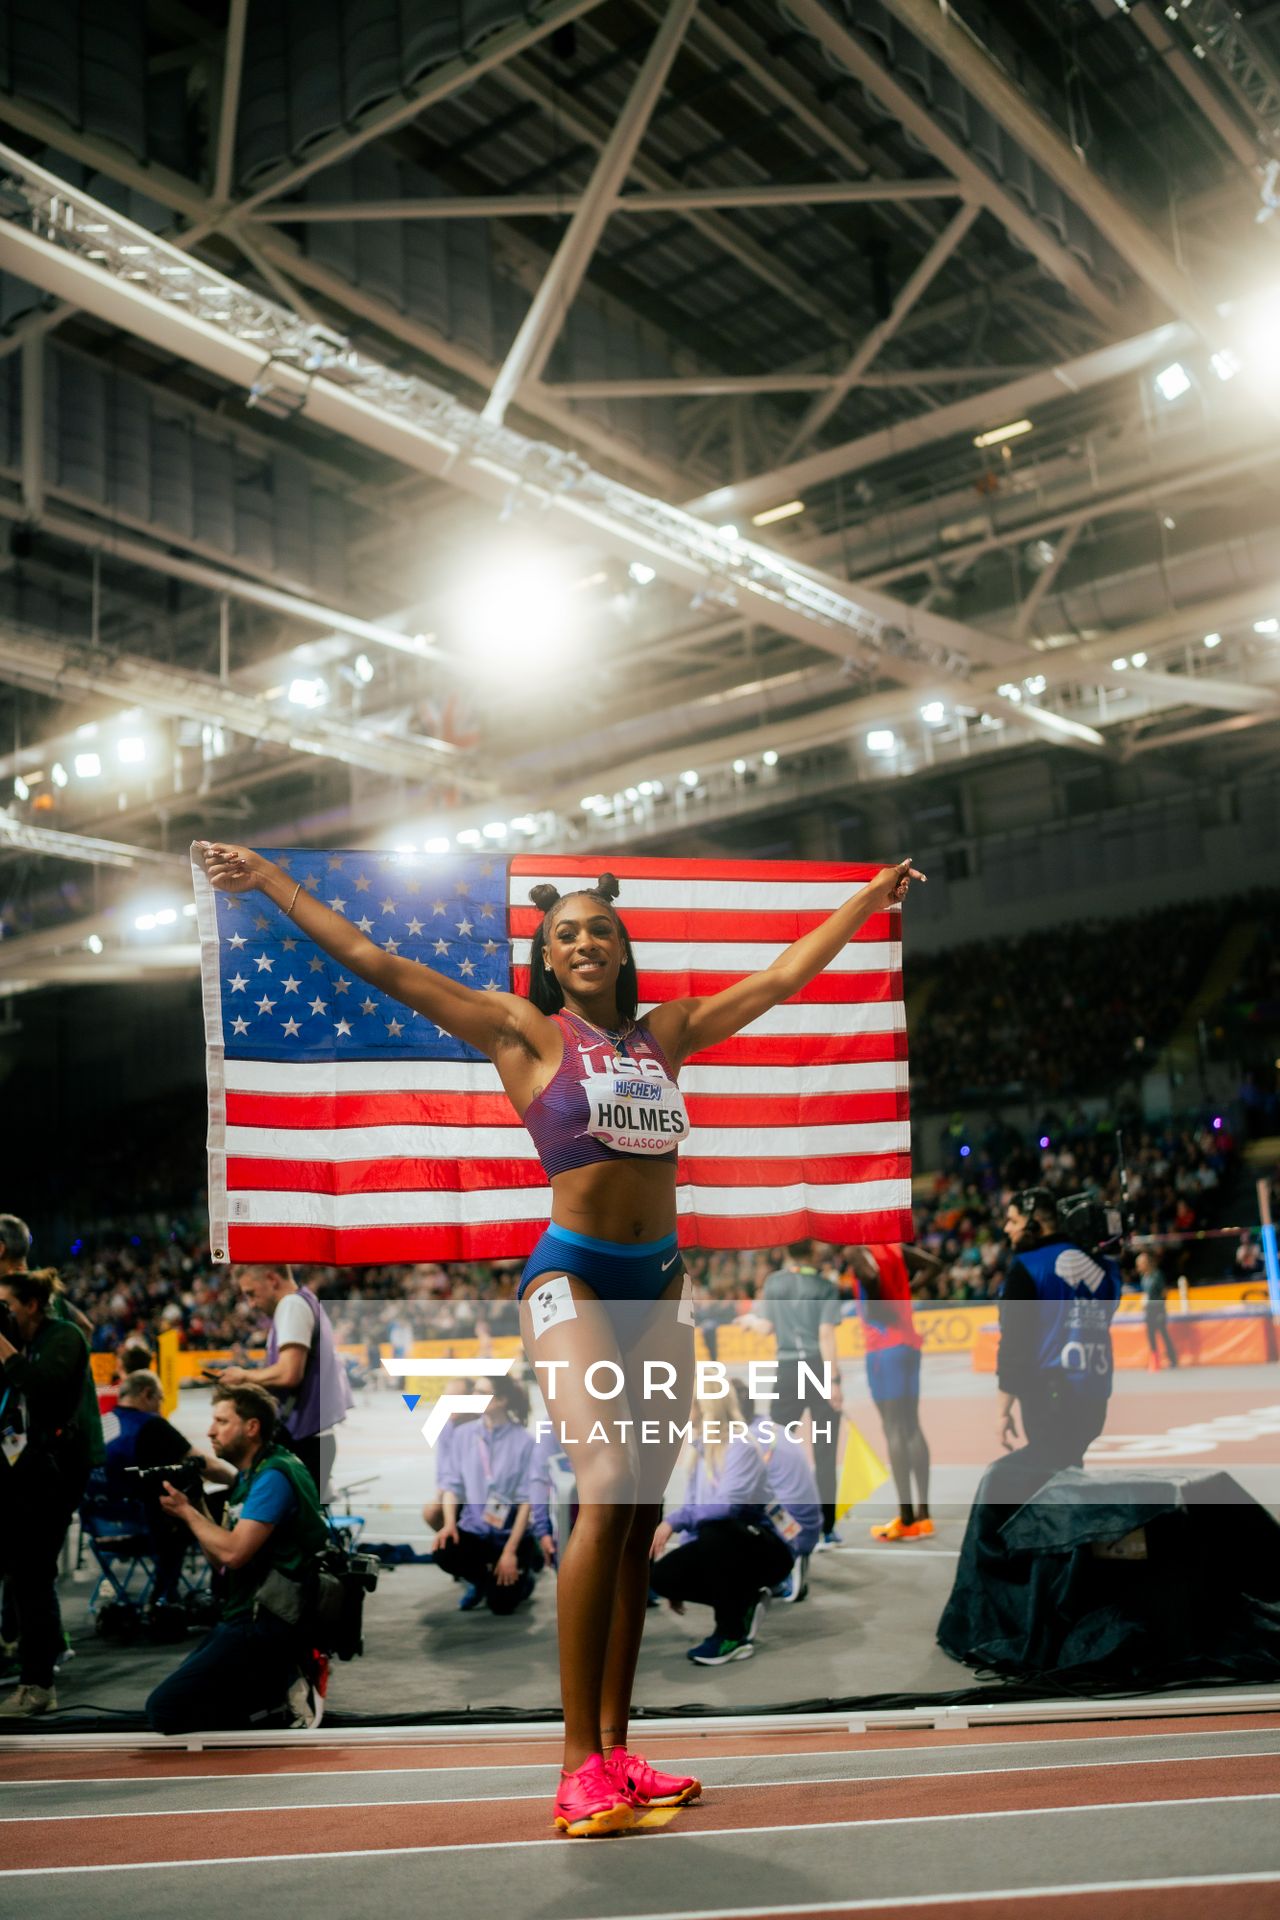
x,y
88,766
646,788
470,837
787,511
642,573
59,774
131,749
1036,684
1119,666
881,740
496,830
1266,626
1137,659
439,843
729,532
1009,691
689,777
363,668
933,713
1225,364
145,922
308,693
769,757
1213,639
996,436
167,917
739,766
94,943
21,791
524,823
517,610
1173,381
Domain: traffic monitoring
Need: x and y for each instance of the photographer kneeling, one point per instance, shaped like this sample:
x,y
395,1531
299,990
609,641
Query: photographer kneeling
x,y
271,1534
44,1463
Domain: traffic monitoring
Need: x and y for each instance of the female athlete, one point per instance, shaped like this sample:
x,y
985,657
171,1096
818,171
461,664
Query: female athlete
x,y
562,1056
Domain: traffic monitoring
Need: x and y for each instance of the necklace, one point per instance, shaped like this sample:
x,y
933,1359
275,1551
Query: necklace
x,y
615,1035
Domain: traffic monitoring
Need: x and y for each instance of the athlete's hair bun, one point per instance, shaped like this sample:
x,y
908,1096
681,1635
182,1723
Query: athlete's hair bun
x,y
544,895
607,887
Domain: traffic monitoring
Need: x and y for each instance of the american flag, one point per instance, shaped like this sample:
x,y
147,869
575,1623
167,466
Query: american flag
x,y
346,1130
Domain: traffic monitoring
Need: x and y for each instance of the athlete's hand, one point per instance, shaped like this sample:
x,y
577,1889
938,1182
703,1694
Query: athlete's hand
x,y
891,883
233,869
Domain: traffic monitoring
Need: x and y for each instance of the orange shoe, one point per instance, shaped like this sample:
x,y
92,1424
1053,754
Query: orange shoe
x,y
899,1529
648,1787
590,1803
895,1529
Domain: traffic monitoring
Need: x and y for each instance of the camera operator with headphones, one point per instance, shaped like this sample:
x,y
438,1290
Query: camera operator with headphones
x,y
1055,1361
252,1664
44,1462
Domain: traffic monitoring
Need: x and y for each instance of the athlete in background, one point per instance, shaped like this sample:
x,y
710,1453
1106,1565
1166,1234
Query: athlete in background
x,y
882,1276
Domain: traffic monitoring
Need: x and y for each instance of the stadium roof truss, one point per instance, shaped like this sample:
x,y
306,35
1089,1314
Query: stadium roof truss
x,y
819,340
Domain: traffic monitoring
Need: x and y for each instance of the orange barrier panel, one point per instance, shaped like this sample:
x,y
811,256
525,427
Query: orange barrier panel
x,y
1224,1339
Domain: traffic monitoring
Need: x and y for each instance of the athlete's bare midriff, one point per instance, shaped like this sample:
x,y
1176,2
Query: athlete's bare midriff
x,y
630,1202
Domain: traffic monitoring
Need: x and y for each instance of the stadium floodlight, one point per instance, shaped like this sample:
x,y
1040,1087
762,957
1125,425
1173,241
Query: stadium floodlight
x,y
1173,381
524,823
1225,363
881,740
88,766
933,713
1137,659
1266,626
642,573
94,943
438,843
787,511
1036,684
470,837
689,777
646,788
21,791
363,668
1213,639
516,609
145,922
496,830
739,766
1009,691
59,774
996,436
308,693
131,748
1119,665
729,531
769,757
167,917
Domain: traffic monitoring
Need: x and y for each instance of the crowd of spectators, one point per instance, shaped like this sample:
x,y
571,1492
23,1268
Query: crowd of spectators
x,y
1177,1175
1070,1010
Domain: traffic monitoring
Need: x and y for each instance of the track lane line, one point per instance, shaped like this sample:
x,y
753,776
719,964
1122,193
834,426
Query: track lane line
x,y
238,1761
32,1839
853,1780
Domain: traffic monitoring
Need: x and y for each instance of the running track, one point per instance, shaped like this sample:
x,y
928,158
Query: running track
x,y
1096,1820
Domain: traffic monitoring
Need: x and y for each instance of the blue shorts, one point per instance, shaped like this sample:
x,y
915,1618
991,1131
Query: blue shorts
x,y
893,1373
610,1269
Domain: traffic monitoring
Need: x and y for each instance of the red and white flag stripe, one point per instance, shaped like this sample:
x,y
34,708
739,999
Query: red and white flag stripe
x,y
799,1125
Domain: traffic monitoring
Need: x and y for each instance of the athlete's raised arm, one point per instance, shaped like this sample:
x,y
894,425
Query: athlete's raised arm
x,y
489,1021
683,1027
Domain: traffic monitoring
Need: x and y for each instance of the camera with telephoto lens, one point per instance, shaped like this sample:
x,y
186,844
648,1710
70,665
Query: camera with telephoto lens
x,y
148,1482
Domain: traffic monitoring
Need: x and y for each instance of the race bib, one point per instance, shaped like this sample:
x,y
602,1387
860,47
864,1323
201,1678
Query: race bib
x,y
635,1112
783,1522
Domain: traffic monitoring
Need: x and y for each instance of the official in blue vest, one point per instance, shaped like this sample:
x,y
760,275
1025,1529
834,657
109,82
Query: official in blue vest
x,y
1056,1364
